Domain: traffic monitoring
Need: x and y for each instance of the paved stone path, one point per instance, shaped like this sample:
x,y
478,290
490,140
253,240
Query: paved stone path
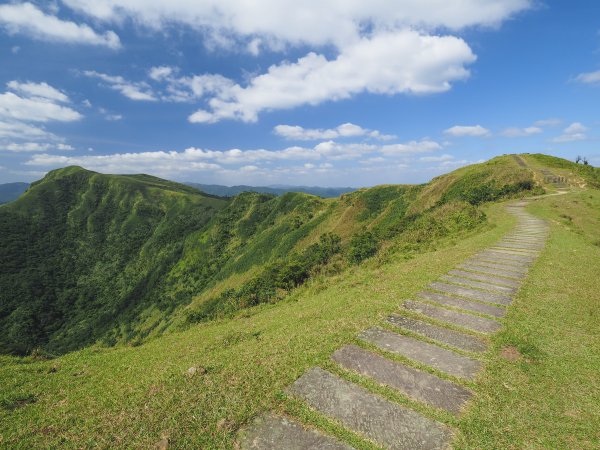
x,y
444,328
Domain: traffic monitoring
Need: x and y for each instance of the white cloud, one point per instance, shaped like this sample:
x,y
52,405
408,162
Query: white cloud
x,y
28,19
423,146
31,107
139,91
113,117
42,90
298,133
19,130
391,63
574,132
521,132
440,158
161,72
313,22
589,77
471,130
29,147
15,49
548,123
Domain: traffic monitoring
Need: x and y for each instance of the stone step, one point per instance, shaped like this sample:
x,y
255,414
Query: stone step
x,y
487,278
522,243
464,320
417,350
521,270
461,303
498,260
271,432
517,248
478,284
454,338
474,294
416,384
524,259
388,424
532,254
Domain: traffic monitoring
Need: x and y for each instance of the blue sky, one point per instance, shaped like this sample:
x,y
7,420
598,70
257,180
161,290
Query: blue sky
x,y
321,92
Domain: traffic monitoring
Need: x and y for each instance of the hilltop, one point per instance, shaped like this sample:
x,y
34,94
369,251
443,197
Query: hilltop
x,y
232,191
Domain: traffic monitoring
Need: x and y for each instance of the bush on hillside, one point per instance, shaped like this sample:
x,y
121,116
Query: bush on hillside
x,y
362,246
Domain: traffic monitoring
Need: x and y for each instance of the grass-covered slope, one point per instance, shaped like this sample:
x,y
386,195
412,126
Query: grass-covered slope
x,y
89,257
81,252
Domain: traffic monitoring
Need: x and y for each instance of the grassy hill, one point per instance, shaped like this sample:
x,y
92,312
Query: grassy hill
x,y
91,258
133,396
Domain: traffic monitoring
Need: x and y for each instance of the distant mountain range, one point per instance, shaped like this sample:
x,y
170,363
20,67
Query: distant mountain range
x,y
11,191
232,191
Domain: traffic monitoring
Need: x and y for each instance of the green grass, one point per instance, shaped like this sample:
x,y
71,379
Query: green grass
x,y
551,397
130,397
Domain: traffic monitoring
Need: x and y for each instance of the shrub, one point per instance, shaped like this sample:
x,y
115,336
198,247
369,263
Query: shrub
x,y
362,246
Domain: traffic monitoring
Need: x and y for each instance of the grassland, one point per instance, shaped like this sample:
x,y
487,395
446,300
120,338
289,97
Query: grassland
x,y
132,396
546,396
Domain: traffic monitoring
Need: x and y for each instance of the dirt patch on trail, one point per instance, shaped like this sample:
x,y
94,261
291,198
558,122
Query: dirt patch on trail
x,y
511,354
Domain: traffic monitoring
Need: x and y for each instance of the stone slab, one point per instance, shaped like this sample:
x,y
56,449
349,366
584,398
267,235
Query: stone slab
x,y
479,284
271,432
501,261
495,265
414,383
417,350
440,334
525,259
468,321
515,251
461,303
473,294
388,424
487,278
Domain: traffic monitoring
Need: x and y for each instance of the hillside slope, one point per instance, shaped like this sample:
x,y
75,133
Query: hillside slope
x,y
232,191
91,257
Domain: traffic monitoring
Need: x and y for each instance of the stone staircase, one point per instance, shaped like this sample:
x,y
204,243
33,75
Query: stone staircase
x,y
444,330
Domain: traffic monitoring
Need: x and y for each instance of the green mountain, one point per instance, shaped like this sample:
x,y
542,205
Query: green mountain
x,y
11,191
91,258
232,191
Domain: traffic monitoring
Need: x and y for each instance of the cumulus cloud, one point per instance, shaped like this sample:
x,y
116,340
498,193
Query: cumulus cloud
x,y
574,132
41,90
23,108
29,20
313,22
29,147
440,158
554,122
298,133
521,132
470,130
589,77
423,146
35,103
390,63
139,91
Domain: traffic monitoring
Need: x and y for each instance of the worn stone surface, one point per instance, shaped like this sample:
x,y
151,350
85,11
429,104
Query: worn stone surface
x,y
429,354
468,321
270,432
475,294
487,278
388,424
525,259
440,334
461,303
501,262
416,384
522,271
479,284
